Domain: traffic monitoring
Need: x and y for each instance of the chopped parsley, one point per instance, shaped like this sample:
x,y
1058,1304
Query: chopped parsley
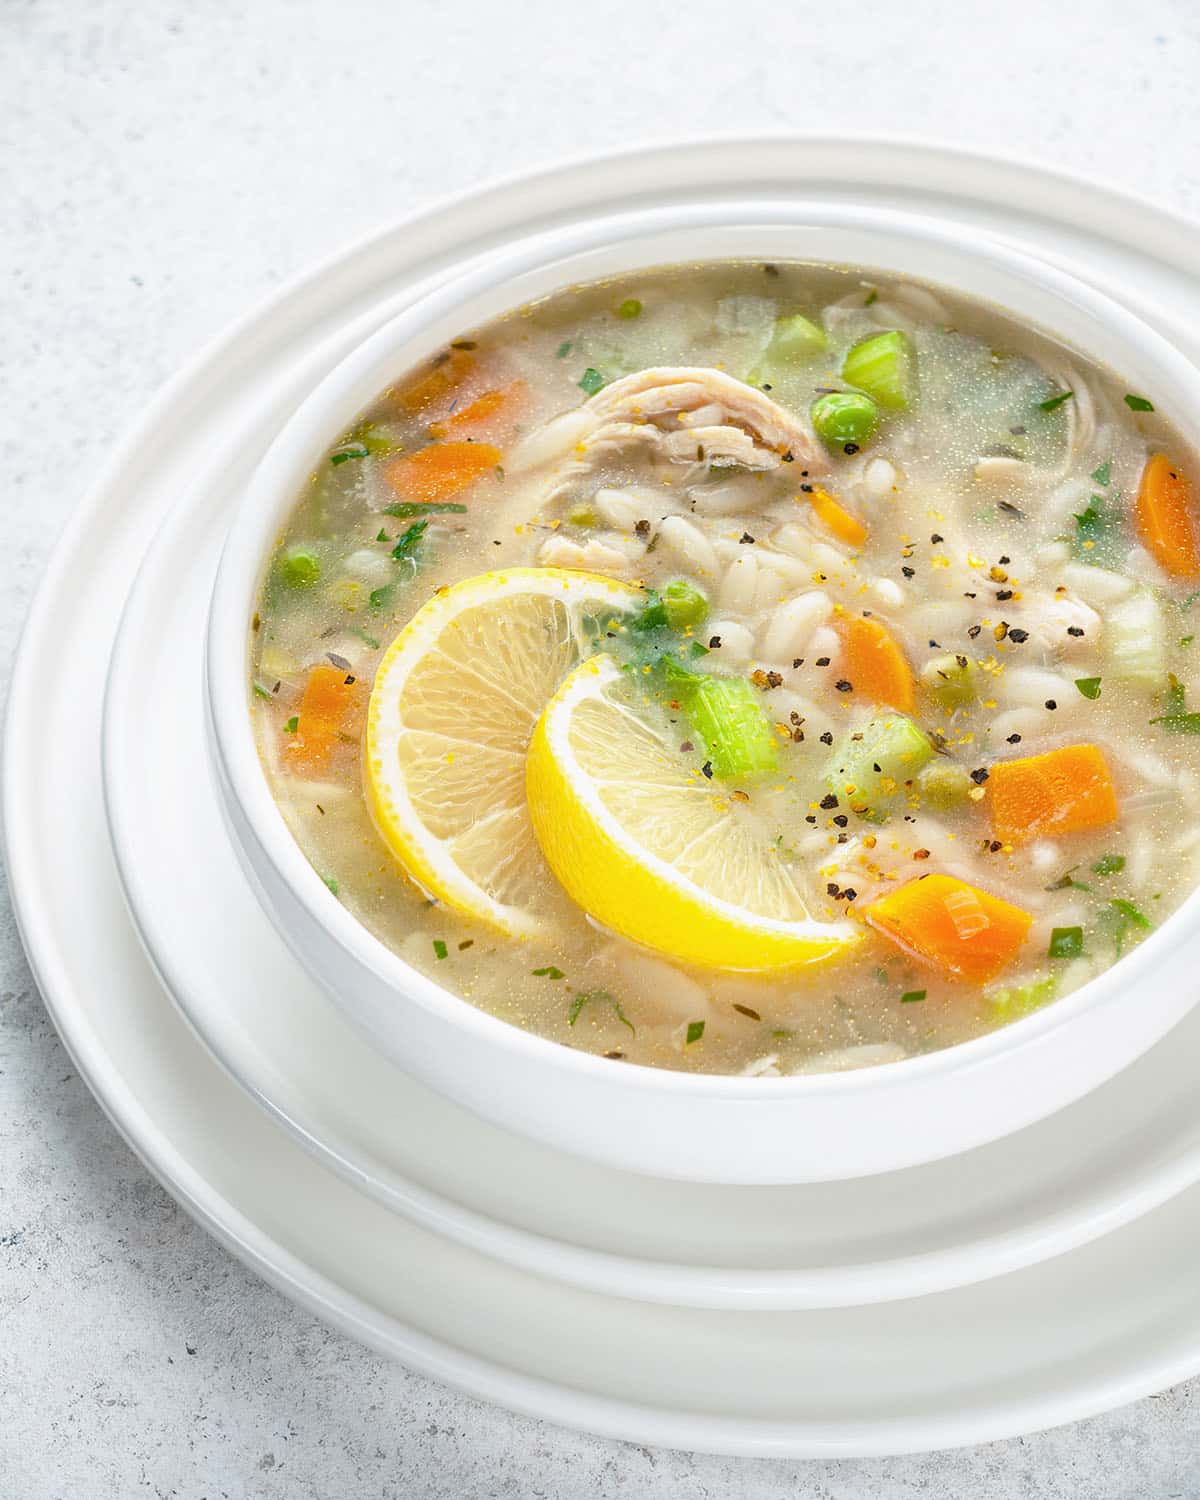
x,y
872,297
1124,918
1066,942
292,724
1109,864
260,691
1091,528
910,997
1088,686
1103,474
439,948
591,381
367,640
332,882
1052,403
695,1031
1138,403
410,539
549,972
597,997
407,509
563,350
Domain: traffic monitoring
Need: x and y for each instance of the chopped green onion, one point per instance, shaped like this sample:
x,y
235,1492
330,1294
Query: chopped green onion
x,y
1179,723
563,350
883,365
841,417
299,568
727,715
1088,686
409,540
1109,864
292,724
910,997
332,882
347,452
1138,403
1103,474
1125,917
597,997
591,381
1052,403
1066,942
630,308
407,509
439,948
695,1031
549,972
1130,912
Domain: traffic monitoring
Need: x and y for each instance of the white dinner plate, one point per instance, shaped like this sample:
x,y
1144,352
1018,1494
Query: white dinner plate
x,y
1084,1331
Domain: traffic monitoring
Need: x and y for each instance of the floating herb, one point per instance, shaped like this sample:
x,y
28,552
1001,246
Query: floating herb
x,y
367,640
1066,942
1124,918
292,724
1052,403
549,972
1091,528
872,297
694,1032
910,997
1103,474
332,882
344,454
410,540
1088,686
1067,882
597,997
260,691
630,308
405,510
1109,864
563,350
591,381
439,948
1138,403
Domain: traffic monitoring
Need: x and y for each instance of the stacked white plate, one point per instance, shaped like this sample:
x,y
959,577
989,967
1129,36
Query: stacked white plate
x,y
1047,1276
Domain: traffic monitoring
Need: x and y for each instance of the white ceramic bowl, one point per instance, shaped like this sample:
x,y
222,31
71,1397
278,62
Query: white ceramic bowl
x,y
726,1129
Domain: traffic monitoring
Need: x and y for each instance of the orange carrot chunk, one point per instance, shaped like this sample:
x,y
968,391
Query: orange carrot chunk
x,y
1062,791
874,665
1165,517
837,519
440,471
952,926
490,416
434,388
329,697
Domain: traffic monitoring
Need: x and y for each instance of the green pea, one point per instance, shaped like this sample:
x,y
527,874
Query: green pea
x,y
299,568
842,417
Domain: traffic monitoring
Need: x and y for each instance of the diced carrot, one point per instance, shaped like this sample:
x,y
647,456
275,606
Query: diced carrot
x,y
330,695
1062,791
490,416
1165,517
833,515
875,666
433,388
952,926
440,471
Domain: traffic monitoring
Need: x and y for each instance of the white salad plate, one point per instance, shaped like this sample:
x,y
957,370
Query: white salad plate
x,y
488,1285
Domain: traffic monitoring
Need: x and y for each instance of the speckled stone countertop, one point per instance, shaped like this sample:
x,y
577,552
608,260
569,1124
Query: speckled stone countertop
x,y
161,168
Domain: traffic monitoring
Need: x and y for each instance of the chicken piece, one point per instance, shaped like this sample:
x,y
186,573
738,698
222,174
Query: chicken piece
x,y
657,411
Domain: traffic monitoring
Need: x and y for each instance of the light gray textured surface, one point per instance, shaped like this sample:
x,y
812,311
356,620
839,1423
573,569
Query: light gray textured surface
x,y
161,167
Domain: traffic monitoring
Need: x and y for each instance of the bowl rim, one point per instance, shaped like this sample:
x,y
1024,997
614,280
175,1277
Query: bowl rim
x,y
311,427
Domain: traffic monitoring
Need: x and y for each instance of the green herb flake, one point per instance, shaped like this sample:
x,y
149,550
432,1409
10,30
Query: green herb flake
x,y
409,541
367,640
1175,697
1066,942
1052,403
630,308
261,692
405,510
1124,918
782,1034
910,997
439,948
292,724
1091,527
549,972
1186,640
1179,723
591,381
344,454
563,350
1103,475
382,598
597,997
383,536
1088,686
1109,864
1130,913
332,882
1138,403
695,1031
872,297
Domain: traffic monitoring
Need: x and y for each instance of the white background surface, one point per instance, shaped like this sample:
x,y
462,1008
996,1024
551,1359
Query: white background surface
x,y
161,167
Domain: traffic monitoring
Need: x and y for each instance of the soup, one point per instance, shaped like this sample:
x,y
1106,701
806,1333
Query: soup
x,y
739,668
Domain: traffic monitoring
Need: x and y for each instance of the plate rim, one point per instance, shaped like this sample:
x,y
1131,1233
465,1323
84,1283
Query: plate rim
x,y
270,1258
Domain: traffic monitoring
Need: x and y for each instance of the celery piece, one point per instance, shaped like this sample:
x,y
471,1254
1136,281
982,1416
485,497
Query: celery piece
x,y
1136,640
299,568
883,365
727,715
949,679
842,417
796,338
1020,999
867,769
943,785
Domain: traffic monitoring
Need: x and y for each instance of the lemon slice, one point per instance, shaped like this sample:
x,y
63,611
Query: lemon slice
x,y
654,851
454,703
